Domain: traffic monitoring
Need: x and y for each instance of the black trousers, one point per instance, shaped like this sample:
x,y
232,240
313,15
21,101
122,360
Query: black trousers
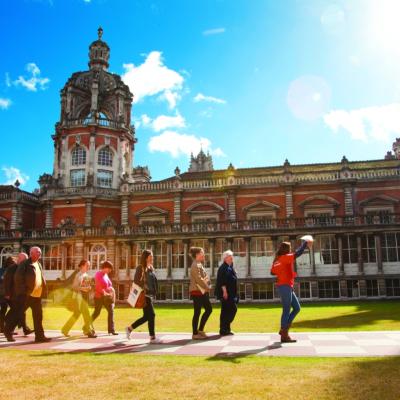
x,y
3,310
98,305
16,316
228,312
148,316
35,304
199,302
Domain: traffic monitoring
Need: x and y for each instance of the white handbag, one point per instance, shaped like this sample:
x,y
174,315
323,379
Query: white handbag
x,y
134,294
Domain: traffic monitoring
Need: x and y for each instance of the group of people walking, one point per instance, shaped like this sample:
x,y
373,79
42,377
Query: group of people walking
x,y
24,286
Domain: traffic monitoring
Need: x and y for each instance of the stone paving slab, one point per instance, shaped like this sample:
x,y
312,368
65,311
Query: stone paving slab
x,y
322,344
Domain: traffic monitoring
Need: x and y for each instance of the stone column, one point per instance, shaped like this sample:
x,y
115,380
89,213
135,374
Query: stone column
x,y
212,256
111,251
340,254
118,255
63,164
378,246
343,288
313,267
348,200
92,152
124,210
293,243
177,208
360,260
314,289
78,253
289,201
186,257
247,241
64,251
49,216
88,212
16,216
232,205
169,258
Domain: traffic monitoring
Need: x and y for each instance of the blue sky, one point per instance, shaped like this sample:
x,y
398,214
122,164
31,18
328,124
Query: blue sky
x,y
254,82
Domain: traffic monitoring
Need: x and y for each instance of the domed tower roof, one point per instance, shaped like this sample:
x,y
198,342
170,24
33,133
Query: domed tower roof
x,y
99,53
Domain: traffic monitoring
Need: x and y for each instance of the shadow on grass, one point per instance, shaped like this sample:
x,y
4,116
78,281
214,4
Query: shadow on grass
x,y
366,313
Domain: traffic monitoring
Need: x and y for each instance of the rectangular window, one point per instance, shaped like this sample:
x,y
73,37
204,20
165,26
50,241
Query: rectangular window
x,y
242,291
160,255
121,292
162,292
352,288
51,258
178,256
392,287
320,219
305,290
138,248
328,289
372,288
104,178
177,291
263,291
373,217
261,252
368,248
326,250
78,177
390,247
350,255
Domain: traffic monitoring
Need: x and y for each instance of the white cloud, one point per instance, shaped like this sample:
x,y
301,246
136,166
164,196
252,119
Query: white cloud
x,y
12,174
5,103
163,122
214,31
201,97
379,123
153,77
32,83
8,80
178,144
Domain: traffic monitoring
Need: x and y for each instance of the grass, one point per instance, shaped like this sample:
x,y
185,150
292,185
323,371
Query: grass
x,y
57,376
347,316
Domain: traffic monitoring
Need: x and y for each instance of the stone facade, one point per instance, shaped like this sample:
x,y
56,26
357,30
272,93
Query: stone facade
x,y
112,210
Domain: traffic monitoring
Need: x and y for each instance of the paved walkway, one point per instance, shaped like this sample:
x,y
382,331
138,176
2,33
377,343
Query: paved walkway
x,y
335,344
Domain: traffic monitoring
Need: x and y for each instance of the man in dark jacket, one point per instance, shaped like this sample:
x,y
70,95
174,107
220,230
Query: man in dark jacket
x,y
16,309
226,292
29,286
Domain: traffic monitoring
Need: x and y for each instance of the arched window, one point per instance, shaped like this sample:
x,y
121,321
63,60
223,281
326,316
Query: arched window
x,y
78,156
4,254
105,157
97,255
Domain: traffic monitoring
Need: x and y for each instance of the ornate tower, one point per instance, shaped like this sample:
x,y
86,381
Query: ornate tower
x,y
202,162
94,140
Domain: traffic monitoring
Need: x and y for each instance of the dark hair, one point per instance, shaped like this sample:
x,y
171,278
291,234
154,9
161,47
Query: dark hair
x,y
9,261
194,251
83,262
143,258
284,248
106,264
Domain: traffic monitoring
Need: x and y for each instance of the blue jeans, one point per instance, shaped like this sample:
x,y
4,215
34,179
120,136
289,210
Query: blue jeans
x,y
289,300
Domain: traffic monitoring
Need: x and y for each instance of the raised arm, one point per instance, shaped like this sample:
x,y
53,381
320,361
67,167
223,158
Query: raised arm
x,y
301,249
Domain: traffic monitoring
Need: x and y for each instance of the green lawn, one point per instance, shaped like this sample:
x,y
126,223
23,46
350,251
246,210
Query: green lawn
x,y
55,376
367,315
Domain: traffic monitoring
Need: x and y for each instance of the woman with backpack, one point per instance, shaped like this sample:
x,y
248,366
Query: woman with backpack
x,y
283,268
145,277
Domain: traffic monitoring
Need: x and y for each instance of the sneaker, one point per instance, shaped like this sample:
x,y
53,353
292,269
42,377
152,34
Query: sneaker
x,y
154,339
113,333
91,335
203,334
28,331
197,336
128,332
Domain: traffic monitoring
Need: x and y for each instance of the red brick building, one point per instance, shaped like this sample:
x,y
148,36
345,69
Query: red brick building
x,y
96,205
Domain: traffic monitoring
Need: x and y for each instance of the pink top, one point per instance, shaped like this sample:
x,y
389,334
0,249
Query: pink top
x,y
102,283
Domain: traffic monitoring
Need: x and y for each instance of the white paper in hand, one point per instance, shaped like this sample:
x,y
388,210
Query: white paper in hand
x,y
307,238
